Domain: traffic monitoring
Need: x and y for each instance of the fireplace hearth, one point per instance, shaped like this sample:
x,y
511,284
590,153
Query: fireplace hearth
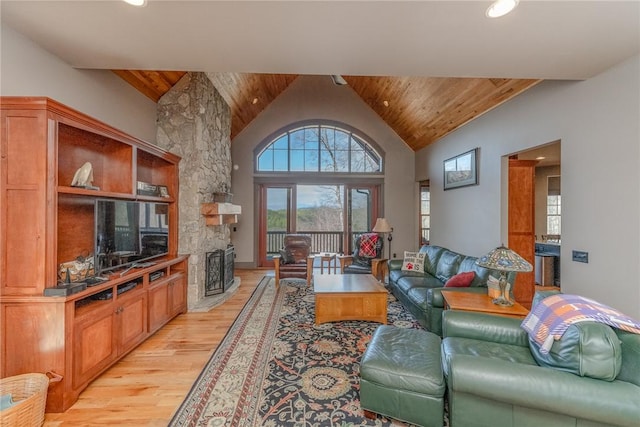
x,y
219,270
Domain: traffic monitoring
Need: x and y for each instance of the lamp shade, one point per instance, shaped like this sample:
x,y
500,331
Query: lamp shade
x,y
504,259
382,226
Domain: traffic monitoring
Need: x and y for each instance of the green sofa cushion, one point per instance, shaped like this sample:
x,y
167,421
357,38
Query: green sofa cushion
x,y
588,349
482,274
433,256
452,346
448,265
424,282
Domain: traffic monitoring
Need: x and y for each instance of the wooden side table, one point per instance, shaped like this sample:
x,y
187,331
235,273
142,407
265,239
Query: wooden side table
x,y
328,257
466,301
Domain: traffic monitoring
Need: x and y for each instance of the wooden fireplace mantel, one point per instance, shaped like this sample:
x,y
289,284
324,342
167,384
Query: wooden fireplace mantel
x,y
220,213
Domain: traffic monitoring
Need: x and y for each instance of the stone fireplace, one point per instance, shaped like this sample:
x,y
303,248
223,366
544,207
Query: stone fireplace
x,y
194,122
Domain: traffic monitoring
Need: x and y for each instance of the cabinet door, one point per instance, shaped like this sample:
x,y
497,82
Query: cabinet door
x,y
178,296
26,247
158,306
131,315
94,345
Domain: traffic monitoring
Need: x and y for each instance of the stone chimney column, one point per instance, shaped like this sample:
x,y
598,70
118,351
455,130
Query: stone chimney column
x,y
194,122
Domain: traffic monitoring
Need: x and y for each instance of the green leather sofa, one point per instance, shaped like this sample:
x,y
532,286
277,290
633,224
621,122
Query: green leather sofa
x,y
420,292
496,379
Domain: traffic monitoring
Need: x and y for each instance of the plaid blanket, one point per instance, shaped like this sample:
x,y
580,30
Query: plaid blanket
x,y
551,317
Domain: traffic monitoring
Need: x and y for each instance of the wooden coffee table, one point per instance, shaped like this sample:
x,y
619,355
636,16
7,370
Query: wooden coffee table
x,y
466,301
349,297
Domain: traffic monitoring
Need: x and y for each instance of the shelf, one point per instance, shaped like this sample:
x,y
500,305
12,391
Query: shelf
x,y
155,199
94,193
220,213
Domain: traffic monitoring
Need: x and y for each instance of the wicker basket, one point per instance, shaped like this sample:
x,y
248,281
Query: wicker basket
x,y
29,391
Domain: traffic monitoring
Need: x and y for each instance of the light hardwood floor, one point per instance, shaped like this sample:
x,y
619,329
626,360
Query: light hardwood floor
x,y
147,385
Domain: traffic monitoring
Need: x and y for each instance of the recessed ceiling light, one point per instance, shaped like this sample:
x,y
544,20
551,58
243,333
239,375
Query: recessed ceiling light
x,y
385,103
254,101
138,3
501,7
540,158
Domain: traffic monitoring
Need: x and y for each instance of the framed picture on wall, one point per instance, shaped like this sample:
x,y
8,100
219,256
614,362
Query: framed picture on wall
x,y
461,170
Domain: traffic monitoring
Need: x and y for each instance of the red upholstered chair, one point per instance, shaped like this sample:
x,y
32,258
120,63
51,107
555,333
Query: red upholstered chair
x,y
295,260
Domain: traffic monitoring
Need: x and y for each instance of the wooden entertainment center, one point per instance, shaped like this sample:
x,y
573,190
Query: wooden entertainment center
x,y
46,222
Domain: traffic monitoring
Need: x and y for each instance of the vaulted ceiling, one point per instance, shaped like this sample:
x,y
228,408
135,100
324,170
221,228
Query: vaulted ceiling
x,y
419,109
447,63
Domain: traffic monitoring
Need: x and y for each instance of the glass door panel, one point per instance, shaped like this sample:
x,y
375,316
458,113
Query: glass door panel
x,y
320,213
361,212
276,221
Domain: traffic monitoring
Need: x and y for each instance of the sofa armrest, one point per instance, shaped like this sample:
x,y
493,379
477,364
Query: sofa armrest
x,y
547,389
395,264
484,327
435,298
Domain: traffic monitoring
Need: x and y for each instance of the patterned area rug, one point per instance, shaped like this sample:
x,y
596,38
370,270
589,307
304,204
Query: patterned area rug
x,y
275,367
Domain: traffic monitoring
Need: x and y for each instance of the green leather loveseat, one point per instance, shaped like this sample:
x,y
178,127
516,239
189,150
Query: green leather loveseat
x,y
495,378
420,291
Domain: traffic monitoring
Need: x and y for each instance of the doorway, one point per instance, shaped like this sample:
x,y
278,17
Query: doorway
x,y
546,211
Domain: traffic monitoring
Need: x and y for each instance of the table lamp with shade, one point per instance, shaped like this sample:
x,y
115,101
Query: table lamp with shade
x,y
382,226
504,260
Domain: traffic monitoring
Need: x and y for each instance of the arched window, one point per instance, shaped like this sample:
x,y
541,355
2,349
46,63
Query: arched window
x,y
318,148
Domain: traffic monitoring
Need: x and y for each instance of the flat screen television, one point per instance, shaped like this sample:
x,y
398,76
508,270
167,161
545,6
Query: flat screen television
x,y
129,232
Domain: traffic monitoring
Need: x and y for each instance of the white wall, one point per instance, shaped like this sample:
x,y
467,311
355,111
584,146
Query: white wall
x,y
598,122
316,97
26,69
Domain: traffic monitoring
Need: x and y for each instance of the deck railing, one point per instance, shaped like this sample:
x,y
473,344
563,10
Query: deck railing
x,y
321,241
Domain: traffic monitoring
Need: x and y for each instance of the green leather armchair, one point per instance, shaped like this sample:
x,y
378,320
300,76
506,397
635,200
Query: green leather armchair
x,y
493,378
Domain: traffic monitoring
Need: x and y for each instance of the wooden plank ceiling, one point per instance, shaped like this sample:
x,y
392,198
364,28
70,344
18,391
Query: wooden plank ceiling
x,y
420,110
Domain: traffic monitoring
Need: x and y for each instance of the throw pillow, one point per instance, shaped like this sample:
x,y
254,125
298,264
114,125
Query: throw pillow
x,y
286,256
461,280
413,261
368,243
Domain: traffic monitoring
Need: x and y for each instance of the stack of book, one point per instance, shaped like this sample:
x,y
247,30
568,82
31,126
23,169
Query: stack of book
x,y
146,189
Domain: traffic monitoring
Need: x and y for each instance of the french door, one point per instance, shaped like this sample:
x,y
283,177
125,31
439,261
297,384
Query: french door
x,y
332,214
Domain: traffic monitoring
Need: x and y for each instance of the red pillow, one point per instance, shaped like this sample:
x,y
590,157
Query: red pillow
x,y
368,243
461,280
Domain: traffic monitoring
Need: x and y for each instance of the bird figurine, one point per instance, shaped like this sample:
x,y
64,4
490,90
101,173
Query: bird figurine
x,y
83,176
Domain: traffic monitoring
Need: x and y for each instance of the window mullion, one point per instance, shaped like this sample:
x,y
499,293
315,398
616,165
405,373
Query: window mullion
x,y
319,149
288,151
